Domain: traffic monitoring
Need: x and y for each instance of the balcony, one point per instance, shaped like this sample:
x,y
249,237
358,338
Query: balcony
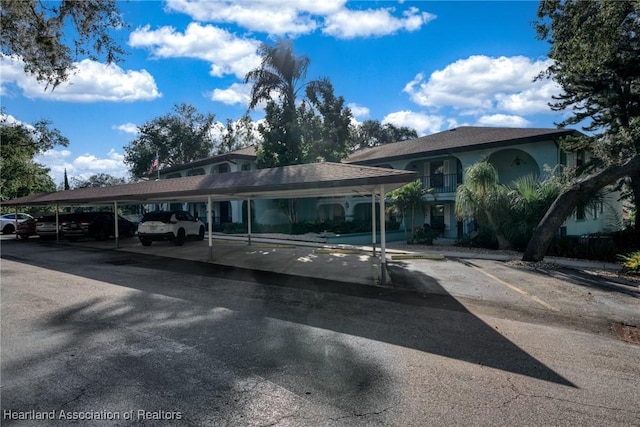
x,y
442,183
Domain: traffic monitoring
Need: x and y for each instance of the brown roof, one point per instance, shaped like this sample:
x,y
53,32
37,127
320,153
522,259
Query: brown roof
x,y
309,180
464,138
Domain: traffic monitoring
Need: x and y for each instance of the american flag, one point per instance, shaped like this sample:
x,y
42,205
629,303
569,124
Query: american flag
x,y
154,164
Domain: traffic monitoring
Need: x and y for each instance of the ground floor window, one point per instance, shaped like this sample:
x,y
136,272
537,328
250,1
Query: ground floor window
x,y
437,217
330,212
362,212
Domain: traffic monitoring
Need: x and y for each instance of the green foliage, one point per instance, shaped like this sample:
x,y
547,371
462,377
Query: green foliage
x,y
98,180
280,72
239,134
282,144
482,197
330,136
319,129
35,31
372,133
630,261
594,52
176,138
511,212
407,199
20,175
425,236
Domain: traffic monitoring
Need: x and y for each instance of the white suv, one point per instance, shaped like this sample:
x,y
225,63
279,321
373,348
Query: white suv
x,y
176,226
8,222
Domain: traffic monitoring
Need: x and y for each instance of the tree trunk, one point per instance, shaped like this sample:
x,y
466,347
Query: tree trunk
x,y
503,242
566,202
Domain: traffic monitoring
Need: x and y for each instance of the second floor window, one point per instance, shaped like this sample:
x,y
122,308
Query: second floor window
x,y
437,174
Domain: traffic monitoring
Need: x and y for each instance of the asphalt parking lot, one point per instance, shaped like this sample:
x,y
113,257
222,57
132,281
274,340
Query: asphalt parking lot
x,y
542,293
88,329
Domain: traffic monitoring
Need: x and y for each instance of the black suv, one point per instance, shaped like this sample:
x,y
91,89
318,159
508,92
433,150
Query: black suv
x,y
100,225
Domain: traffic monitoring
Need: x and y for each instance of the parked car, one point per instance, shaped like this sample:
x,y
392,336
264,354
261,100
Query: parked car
x,y
176,226
100,225
8,221
26,228
46,225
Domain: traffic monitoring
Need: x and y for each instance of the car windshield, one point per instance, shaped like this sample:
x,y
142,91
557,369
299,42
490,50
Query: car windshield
x,y
157,216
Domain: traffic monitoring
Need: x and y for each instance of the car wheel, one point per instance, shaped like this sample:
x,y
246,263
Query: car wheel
x,y
180,238
24,236
145,242
8,229
201,233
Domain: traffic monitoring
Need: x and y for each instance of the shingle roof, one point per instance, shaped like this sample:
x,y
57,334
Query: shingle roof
x,y
246,153
464,138
309,180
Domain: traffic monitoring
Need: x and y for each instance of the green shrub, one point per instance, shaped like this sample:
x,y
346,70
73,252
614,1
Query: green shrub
x,y
631,261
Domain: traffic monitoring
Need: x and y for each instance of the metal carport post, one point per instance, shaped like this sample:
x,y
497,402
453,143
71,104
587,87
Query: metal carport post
x,y
383,240
209,227
249,221
373,222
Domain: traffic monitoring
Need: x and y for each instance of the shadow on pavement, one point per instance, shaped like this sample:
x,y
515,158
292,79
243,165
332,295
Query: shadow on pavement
x,y
447,328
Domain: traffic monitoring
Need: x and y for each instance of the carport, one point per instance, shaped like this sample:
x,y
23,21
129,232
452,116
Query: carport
x,y
297,181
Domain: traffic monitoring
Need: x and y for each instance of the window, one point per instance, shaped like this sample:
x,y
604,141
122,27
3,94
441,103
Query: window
x,y
437,217
437,174
193,172
246,167
579,158
330,212
223,168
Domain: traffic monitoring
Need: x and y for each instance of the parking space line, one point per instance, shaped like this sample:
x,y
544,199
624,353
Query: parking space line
x,y
514,288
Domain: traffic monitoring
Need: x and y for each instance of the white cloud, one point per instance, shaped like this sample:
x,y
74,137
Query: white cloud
x,y
481,84
227,53
359,111
424,124
11,121
349,24
237,93
294,18
275,17
503,120
130,128
91,82
83,166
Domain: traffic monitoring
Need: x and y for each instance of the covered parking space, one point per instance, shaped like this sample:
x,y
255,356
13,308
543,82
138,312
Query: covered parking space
x,y
297,181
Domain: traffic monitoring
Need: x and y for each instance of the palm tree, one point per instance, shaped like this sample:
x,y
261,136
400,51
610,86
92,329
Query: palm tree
x,y
279,72
484,198
407,199
530,197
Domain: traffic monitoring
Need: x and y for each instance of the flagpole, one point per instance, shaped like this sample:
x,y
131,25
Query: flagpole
x,y
158,160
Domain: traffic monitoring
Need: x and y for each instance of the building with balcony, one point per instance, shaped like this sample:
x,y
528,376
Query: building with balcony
x,y
439,160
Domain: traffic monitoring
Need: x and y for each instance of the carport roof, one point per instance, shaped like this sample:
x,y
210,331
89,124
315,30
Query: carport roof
x,y
309,180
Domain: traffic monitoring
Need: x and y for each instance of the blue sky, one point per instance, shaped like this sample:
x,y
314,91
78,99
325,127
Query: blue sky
x,y
427,65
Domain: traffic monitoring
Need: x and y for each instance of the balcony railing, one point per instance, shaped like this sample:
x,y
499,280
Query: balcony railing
x,y
442,183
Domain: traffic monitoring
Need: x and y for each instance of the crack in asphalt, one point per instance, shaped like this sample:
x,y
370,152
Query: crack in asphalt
x,y
365,414
519,394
